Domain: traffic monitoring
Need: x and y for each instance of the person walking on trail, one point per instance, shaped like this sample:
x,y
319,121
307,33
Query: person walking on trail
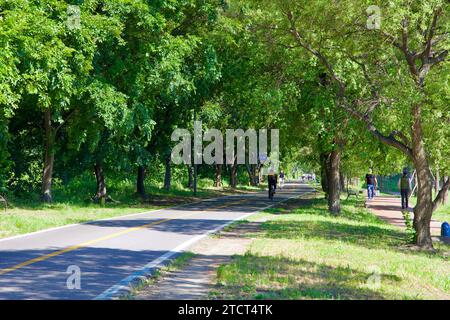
x,y
281,179
404,185
272,181
371,182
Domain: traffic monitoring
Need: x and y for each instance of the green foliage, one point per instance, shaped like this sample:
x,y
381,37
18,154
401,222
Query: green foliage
x,y
134,71
409,225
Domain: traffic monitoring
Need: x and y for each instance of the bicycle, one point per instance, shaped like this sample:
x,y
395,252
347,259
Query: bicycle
x,y
271,191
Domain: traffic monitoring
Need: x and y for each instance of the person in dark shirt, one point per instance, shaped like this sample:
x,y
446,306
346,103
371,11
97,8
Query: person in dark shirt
x,y
404,184
371,182
272,181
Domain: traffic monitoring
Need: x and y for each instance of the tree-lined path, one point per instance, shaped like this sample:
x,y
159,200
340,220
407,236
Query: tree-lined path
x,y
99,100
388,209
113,251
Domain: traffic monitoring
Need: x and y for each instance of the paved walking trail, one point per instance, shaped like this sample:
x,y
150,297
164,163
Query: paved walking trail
x,y
389,209
101,259
196,280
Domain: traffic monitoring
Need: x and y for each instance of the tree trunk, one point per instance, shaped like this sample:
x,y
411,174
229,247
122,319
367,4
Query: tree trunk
x,y
424,207
48,158
323,172
334,185
101,185
445,197
190,169
140,187
167,176
251,175
342,181
436,181
218,176
233,175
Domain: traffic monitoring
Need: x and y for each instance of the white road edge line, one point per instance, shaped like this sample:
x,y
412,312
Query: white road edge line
x,y
118,217
125,283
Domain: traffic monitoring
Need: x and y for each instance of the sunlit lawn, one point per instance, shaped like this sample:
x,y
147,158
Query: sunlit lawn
x,y
24,220
442,214
305,253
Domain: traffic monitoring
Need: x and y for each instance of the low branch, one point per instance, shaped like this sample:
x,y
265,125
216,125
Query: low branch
x,y
373,88
431,32
387,140
70,115
402,136
439,58
441,195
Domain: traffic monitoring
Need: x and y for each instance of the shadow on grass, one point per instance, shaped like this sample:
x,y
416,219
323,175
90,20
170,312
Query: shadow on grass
x,y
369,236
374,233
352,209
265,277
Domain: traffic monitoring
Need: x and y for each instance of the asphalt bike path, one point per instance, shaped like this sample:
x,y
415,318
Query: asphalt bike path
x,y
100,259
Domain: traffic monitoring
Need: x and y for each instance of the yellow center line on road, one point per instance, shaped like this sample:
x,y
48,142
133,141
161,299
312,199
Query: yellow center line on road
x,y
113,235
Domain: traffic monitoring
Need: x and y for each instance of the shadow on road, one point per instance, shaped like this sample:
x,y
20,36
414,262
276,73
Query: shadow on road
x,y
100,269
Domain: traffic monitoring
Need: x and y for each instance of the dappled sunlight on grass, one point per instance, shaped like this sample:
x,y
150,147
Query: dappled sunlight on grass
x,y
20,221
357,233
277,277
303,252
443,213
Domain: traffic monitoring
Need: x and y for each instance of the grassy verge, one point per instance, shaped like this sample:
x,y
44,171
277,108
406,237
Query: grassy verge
x,y
304,253
28,216
443,213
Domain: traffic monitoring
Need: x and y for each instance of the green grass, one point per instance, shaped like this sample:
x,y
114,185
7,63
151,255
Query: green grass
x,y
443,213
19,220
304,253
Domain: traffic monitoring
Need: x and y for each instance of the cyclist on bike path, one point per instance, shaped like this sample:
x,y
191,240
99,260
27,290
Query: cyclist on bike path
x,y
272,180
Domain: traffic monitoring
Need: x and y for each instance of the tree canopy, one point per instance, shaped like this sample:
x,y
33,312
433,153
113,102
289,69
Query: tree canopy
x,y
100,85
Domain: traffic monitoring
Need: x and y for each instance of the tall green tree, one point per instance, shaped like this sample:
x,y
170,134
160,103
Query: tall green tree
x,y
401,56
56,56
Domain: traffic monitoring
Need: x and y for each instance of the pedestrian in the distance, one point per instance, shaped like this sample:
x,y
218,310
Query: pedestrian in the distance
x,y
371,182
404,185
281,179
